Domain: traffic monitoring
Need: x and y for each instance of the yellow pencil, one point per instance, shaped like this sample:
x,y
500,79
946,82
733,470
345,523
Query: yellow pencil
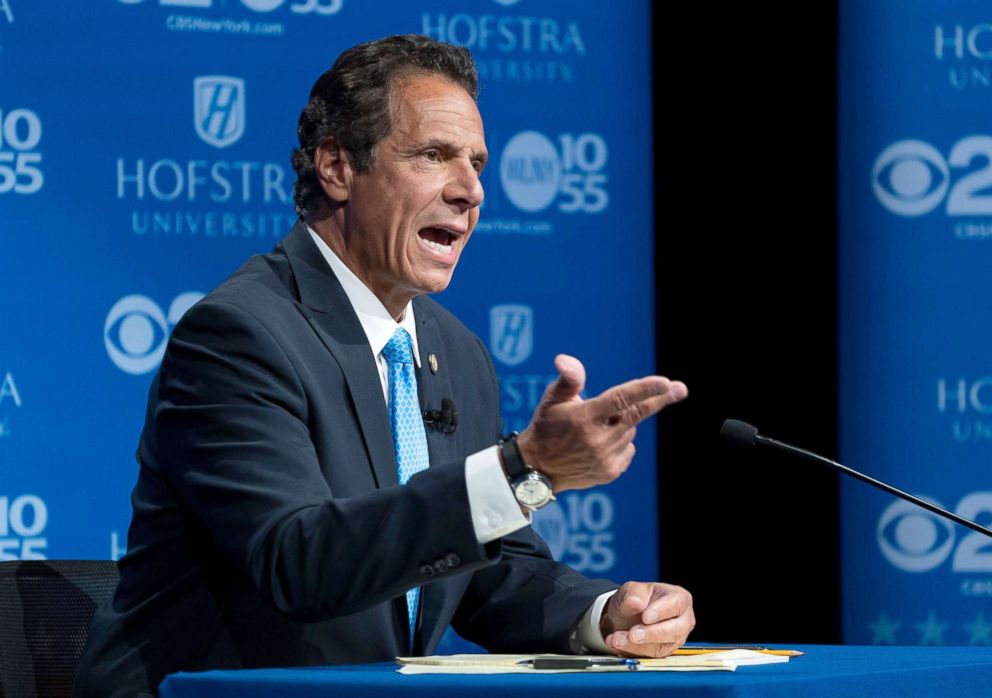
x,y
710,650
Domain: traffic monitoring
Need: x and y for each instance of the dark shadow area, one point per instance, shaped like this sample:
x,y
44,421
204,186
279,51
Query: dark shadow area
x,y
746,296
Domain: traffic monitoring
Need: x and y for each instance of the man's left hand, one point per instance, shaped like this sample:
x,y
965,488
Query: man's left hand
x,y
647,619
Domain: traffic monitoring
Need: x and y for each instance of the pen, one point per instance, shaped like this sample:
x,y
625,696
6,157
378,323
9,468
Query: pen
x,y
550,663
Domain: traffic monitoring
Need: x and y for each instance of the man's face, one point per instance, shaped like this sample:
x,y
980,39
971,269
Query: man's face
x,y
410,217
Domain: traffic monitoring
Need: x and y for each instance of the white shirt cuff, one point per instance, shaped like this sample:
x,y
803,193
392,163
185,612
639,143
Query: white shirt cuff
x,y
495,512
587,634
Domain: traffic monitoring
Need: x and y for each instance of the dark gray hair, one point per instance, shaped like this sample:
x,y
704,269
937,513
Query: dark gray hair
x,y
351,101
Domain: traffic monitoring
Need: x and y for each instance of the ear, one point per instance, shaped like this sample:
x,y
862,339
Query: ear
x,y
334,171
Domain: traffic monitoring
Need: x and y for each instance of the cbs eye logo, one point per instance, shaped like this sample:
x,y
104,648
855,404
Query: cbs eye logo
x,y
320,7
136,330
913,539
912,178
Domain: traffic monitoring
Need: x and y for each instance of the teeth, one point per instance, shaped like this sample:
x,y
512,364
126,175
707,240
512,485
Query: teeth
x,y
437,246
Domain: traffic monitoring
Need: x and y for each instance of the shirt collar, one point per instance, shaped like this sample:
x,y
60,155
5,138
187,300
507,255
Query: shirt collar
x,y
378,324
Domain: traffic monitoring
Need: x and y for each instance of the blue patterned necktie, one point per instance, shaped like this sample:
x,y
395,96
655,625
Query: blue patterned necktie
x,y
407,424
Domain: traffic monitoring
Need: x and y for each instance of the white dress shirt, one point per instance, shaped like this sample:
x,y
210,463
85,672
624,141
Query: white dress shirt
x,y
495,512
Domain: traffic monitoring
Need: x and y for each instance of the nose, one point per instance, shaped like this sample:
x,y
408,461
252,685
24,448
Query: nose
x,y
464,189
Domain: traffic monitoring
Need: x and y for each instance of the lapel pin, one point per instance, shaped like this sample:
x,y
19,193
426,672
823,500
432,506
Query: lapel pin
x,y
432,360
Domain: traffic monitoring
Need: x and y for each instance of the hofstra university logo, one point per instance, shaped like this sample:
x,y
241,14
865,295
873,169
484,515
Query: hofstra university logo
x,y
219,109
967,53
511,333
228,197
514,48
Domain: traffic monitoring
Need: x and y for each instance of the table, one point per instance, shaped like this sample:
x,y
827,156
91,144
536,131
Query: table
x,y
826,670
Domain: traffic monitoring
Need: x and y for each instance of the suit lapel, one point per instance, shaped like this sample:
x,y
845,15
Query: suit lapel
x,y
330,314
433,386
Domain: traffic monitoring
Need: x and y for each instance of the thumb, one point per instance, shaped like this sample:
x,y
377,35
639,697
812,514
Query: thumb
x,y
571,380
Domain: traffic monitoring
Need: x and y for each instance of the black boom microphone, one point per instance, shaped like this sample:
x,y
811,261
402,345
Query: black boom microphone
x,y
743,434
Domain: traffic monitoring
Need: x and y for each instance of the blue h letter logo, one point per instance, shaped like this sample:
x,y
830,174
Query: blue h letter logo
x,y
219,109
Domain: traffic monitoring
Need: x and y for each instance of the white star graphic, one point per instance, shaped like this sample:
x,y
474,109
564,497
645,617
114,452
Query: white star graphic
x,y
883,630
931,630
980,629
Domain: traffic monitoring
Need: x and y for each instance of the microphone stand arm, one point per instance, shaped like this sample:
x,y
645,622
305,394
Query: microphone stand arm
x,y
765,441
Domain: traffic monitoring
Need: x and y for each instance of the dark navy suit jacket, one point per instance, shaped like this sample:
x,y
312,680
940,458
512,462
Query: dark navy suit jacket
x,y
269,528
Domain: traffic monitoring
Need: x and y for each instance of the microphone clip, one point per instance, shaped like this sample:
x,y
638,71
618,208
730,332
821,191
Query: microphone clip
x,y
444,420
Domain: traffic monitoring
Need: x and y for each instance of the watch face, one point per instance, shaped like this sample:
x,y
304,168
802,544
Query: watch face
x,y
532,491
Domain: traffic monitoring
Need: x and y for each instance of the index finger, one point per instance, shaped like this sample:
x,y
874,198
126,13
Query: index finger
x,y
636,400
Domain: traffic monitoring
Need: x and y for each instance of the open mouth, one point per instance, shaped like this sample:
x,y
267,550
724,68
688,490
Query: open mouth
x,y
437,239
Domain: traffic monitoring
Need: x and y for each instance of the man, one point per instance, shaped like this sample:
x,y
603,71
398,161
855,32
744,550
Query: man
x,y
284,512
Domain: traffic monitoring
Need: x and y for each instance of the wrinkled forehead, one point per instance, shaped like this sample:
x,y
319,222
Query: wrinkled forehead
x,y
417,97
433,106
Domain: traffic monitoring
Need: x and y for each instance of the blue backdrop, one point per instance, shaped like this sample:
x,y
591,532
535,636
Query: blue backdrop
x,y
144,154
916,297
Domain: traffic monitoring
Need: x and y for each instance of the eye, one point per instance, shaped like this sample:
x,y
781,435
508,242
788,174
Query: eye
x,y
432,155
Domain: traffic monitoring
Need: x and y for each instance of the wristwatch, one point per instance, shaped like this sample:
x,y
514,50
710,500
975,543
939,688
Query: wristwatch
x,y
531,489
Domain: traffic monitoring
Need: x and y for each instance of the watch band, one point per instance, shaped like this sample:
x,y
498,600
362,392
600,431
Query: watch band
x,y
531,489
513,461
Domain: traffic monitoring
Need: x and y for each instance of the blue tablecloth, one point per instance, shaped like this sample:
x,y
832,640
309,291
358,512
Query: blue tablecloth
x,y
827,671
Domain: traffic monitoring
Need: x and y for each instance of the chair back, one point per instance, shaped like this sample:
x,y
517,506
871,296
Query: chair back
x,y
45,611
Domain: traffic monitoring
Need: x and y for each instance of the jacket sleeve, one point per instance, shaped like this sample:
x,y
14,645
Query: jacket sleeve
x,y
526,601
